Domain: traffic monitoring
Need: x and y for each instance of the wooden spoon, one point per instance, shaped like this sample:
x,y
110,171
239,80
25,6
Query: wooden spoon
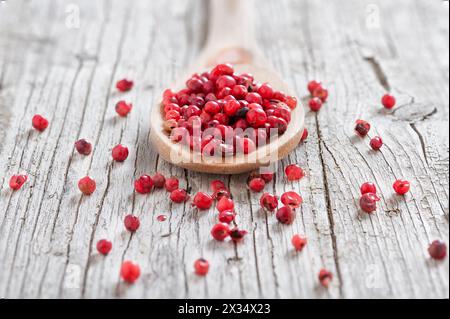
x,y
230,40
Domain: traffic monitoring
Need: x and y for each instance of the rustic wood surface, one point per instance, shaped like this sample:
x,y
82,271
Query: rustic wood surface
x,y
54,64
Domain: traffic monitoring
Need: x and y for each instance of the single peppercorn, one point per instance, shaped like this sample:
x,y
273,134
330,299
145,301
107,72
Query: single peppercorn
x,y
119,153
291,199
325,277
202,201
376,143
362,127
172,184
159,180
368,202
368,188
144,184
124,85
83,147
237,235
294,172
220,231
16,181
131,223
104,246
401,186
39,122
201,267
130,272
87,185
299,242
388,101
285,215
123,108
437,250
179,196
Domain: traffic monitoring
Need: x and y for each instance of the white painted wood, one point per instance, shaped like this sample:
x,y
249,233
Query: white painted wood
x,y
48,231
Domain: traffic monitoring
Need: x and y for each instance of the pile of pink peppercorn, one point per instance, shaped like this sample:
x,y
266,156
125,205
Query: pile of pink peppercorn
x,y
224,101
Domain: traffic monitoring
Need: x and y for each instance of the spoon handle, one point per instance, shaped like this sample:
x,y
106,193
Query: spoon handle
x,y
231,24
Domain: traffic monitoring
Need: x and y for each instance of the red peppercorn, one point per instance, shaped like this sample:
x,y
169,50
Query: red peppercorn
x,y
172,184
131,223
120,153
368,202
321,93
312,85
220,231
266,91
267,177
294,172
217,185
388,101
159,180
225,203
231,107
304,135
291,199
299,242
362,128
212,107
201,267
437,250
39,123
257,184
269,202
227,216
179,196
130,272
401,186
123,108
376,143
16,181
87,185
285,215
244,145
254,97
325,277
144,184
83,147
104,246
256,117
315,104
202,201
239,91
124,85
237,235
291,101
368,188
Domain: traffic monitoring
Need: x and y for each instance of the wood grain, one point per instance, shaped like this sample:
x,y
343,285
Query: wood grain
x,y
48,231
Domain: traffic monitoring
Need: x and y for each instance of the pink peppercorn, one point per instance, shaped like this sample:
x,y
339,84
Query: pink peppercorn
x,y
39,122
172,184
131,223
294,172
388,101
130,272
87,185
124,85
401,186
16,181
123,108
220,231
368,188
83,147
285,215
159,180
325,277
144,184
299,242
201,267
104,246
437,250
376,143
119,153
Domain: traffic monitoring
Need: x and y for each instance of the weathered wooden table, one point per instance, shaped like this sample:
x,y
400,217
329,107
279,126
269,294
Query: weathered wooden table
x,y
62,58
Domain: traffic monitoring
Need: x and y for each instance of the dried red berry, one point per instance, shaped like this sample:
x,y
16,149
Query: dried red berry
x,y
437,250
304,135
201,267
83,147
159,180
217,185
368,202
269,202
267,177
291,199
87,185
294,172
291,101
144,184
225,203
376,143
172,184
119,153
315,104
123,108
17,181
220,231
325,277
321,93
218,194
202,201
179,196
285,215
388,101
227,216
362,128
368,188
104,246
237,235
299,242
131,223
312,85
257,184
401,186
39,122
124,85
130,272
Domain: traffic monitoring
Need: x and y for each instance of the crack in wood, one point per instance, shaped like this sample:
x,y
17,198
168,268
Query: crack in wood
x,y
379,72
